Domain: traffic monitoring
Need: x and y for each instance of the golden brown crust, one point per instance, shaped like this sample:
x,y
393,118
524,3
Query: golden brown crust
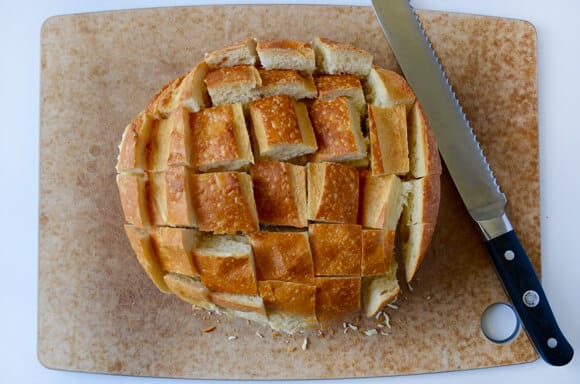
x,y
424,159
156,192
186,176
220,139
179,203
388,140
174,247
189,289
288,297
192,93
165,100
224,202
337,297
334,57
179,138
286,54
141,243
283,256
279,191
238,269
238,84
239,53
133,193
239,303
336,249
332,86
415,242
387,88
373,260
132,150
381,201
288,82
232,76
276,119
332,193
337,131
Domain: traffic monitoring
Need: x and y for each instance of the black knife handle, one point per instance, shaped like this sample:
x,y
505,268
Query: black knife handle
x,y
526,293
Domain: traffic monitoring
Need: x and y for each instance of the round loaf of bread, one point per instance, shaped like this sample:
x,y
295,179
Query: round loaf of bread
x,y
274,179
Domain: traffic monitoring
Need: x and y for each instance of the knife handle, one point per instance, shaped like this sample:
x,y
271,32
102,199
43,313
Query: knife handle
x,y
526,293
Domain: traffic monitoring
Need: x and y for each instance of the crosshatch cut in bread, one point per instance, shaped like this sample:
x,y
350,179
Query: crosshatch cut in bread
x,y
283,182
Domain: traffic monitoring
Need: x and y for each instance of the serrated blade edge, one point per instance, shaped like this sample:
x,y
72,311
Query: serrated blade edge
x,y
457,143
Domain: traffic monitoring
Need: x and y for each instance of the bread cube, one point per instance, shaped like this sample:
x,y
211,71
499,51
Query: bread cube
x,y
332,193
224,202
280,193
388,140
283,256
282,128
220,139
336,249
286,54
338,132
230,85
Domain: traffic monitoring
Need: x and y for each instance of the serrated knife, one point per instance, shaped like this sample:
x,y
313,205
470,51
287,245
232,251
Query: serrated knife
x,y
472,176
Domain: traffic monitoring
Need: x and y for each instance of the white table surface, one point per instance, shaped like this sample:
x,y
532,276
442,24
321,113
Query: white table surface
x,y
557,27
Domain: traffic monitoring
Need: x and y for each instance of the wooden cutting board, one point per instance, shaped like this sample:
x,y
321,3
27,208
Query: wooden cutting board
x,y
98,311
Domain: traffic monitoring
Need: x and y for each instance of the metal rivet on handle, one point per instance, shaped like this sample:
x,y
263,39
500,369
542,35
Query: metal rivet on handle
x,y
552,343
509,255
531,298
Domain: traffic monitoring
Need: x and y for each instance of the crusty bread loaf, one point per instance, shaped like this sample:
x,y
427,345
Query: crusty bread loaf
x,y
251,187
286,54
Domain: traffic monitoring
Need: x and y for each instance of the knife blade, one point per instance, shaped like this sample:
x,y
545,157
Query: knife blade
x,y
472,176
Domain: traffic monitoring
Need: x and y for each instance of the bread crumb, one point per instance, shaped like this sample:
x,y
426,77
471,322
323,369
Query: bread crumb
x,y
210,329
387,320
232,337
353,327
332,332
392,306
291,348
384,333
305,344
428,297
379,314
320,333
370,332
276,334
260,336
345,330
410,287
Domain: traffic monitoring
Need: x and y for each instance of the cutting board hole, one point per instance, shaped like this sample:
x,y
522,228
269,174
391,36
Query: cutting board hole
x,y
500,323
